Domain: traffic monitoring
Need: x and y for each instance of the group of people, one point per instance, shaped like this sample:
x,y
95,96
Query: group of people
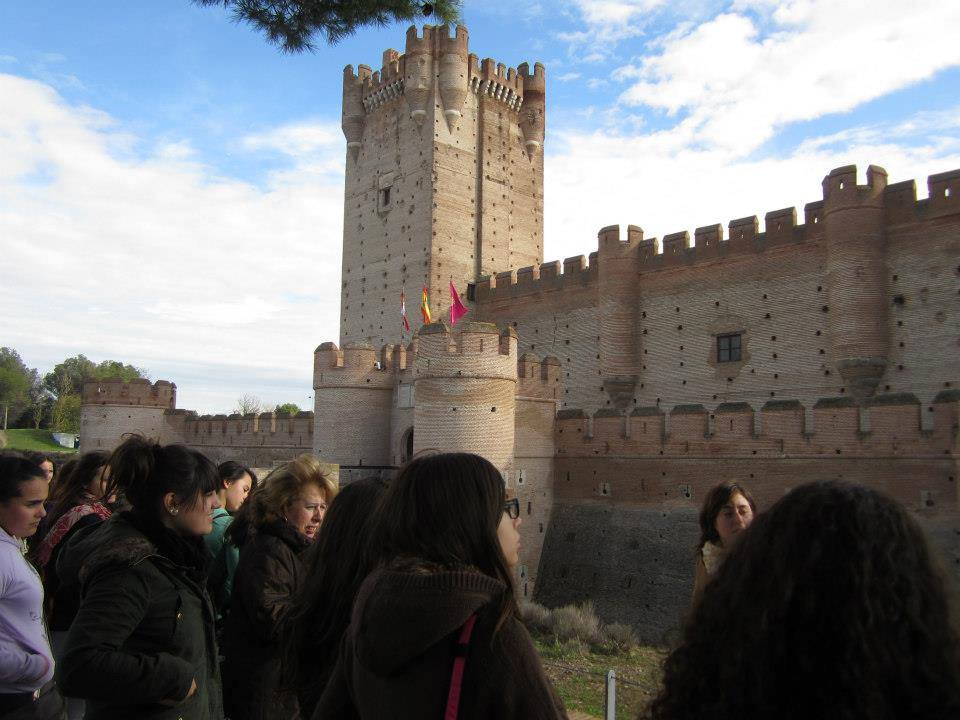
x,y
150,583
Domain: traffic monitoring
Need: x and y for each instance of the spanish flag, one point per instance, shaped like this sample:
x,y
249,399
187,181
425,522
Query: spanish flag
x,y
425,307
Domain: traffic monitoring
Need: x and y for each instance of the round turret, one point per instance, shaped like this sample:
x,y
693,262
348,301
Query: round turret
x,y
418,72
465,390
857,276
453,79
533,110
353,397
353,116
619,266
110,409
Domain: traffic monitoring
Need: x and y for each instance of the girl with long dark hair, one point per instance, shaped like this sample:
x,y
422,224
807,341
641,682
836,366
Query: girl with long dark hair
x,y
236,482
78,502
342,556
142,644
26,660
436,629
830,606
728,509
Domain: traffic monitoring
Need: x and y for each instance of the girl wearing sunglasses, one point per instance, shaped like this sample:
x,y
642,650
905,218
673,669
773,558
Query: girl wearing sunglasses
x,y
435,630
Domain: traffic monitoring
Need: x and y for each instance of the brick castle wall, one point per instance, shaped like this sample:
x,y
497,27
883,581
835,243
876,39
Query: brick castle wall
x,y
628,489
773,287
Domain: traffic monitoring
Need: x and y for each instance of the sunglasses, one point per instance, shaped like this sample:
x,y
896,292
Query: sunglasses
x,y
512,508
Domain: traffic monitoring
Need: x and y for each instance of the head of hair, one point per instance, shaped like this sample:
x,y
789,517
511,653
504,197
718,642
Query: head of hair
x,y
281,488
334,567
15,469
231,471
445,508
143,472
713,503
830,604
72,488
38,457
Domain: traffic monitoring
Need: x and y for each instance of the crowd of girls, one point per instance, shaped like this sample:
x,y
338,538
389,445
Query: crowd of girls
x,y
152,584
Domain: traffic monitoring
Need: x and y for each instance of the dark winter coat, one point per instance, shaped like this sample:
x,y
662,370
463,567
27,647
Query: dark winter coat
x,y
267,576
397,655
144,631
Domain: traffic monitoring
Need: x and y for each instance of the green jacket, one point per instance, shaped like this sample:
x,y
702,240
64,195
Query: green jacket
x,y
225,558
144,632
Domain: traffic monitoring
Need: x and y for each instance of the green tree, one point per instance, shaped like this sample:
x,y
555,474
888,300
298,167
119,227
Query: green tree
x,y
65,414
67,377
293,25
16,379
289,408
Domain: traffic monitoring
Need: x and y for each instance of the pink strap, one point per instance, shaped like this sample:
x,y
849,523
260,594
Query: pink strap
x,y
459,662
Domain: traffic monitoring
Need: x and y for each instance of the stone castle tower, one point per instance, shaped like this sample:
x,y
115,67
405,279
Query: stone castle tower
x,y
444,179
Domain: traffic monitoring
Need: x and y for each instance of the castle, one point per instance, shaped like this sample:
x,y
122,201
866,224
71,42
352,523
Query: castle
x,y
612,391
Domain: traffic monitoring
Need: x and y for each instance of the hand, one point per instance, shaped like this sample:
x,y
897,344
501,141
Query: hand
x,y
190,693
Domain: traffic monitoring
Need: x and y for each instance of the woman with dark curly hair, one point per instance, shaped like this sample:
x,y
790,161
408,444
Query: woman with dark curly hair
x,y
727,510
831,606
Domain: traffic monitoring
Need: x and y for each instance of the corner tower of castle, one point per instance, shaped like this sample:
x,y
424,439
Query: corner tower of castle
x,y
444,179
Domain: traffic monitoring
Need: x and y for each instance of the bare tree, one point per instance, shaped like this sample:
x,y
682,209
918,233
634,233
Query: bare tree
x,y
248,404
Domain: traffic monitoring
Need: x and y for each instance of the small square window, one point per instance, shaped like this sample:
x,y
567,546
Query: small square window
x,y
728,347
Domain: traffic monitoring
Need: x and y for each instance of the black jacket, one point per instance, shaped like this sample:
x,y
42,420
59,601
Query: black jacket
x,y
397,655
267,576
144,631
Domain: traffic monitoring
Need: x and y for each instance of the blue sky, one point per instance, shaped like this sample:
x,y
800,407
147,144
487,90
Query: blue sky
x,y
171,185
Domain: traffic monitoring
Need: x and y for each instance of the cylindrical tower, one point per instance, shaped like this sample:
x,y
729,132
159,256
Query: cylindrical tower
x,y
109,409
353,116
418,72
618,275
465,391
856,276
453,52
533,111
353,397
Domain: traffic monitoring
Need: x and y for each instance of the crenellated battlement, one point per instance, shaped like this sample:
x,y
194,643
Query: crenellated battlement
x,y
538,378
140,392
355,364
469,339
495,80
249,429
742,237
887,425
574,272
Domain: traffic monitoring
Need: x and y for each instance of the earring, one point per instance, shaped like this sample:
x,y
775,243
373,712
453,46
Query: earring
x,y
174,510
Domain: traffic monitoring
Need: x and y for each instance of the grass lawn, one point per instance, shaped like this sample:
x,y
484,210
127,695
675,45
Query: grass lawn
x,y
42,440
579,676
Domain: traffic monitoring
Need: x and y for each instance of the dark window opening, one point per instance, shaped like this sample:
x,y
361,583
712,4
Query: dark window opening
x,y
728,347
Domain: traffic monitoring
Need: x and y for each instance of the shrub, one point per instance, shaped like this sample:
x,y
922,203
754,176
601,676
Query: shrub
x,y
536,617
576,622
622,638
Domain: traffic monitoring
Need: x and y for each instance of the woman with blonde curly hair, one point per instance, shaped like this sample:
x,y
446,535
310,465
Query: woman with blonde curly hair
x,y
273,527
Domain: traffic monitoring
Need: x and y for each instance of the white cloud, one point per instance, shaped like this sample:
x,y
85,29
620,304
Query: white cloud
x,y
159,260
567,77
297,139
665,182
738,81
